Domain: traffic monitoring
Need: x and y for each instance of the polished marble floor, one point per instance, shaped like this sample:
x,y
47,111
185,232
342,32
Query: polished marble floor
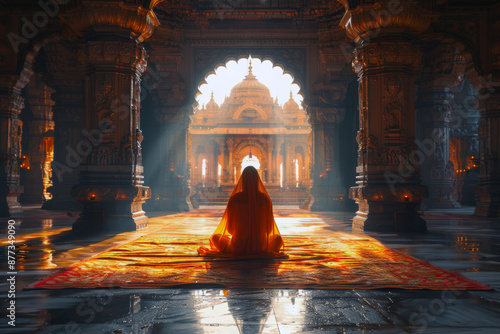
x,y
455,241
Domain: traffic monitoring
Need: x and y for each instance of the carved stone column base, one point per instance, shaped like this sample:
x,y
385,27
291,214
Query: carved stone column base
x,y
400,218
9,204
327,199
440,197
61,198
489,201
192,203
441,202
111,208
174,199
62,203
384,211
32,198
33,190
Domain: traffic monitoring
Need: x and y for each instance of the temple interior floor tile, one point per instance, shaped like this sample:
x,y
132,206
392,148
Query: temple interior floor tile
x,y
458,242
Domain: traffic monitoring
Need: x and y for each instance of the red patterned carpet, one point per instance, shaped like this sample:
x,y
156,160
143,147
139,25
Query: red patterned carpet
x,y
333,261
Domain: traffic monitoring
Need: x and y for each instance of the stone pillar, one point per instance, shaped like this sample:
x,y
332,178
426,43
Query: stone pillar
x,y
111,182
488,190
175,191
270,169
11,104
41,137
285,154
174,186
225,167
279,144
388,189
326,109
68,114
325,188
441,79
64,74
212,167
230,147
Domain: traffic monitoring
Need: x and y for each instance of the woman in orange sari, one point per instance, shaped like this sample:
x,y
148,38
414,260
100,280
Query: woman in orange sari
x,y
247,228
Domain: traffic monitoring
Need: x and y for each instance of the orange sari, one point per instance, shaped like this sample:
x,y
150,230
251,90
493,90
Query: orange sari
x,y
247,227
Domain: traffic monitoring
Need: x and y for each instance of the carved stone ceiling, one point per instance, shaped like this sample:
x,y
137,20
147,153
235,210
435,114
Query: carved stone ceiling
x,y
246,9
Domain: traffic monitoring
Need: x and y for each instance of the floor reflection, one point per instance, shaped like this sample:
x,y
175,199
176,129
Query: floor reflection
x,y
469,246
250,314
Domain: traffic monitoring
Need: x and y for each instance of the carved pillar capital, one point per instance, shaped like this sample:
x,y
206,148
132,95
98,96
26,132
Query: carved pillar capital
x,y
444,68
324,115
230,143
166,48
173,114
380,55
335,46
127,55
330,90
367,21
171,91
138,22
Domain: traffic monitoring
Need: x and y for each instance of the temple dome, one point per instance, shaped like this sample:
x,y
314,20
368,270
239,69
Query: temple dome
x,y
250,87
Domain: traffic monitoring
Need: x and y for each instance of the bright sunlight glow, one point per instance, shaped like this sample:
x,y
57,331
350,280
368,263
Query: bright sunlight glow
x,y
234,72
250,161
204,168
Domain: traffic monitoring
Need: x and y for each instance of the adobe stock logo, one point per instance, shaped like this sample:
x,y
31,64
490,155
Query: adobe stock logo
x,y
30,28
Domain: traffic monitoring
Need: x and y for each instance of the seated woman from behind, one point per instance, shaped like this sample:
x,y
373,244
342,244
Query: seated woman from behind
x,y
247,228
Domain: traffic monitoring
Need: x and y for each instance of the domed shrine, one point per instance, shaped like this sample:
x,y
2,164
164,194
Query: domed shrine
x,y
250,128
